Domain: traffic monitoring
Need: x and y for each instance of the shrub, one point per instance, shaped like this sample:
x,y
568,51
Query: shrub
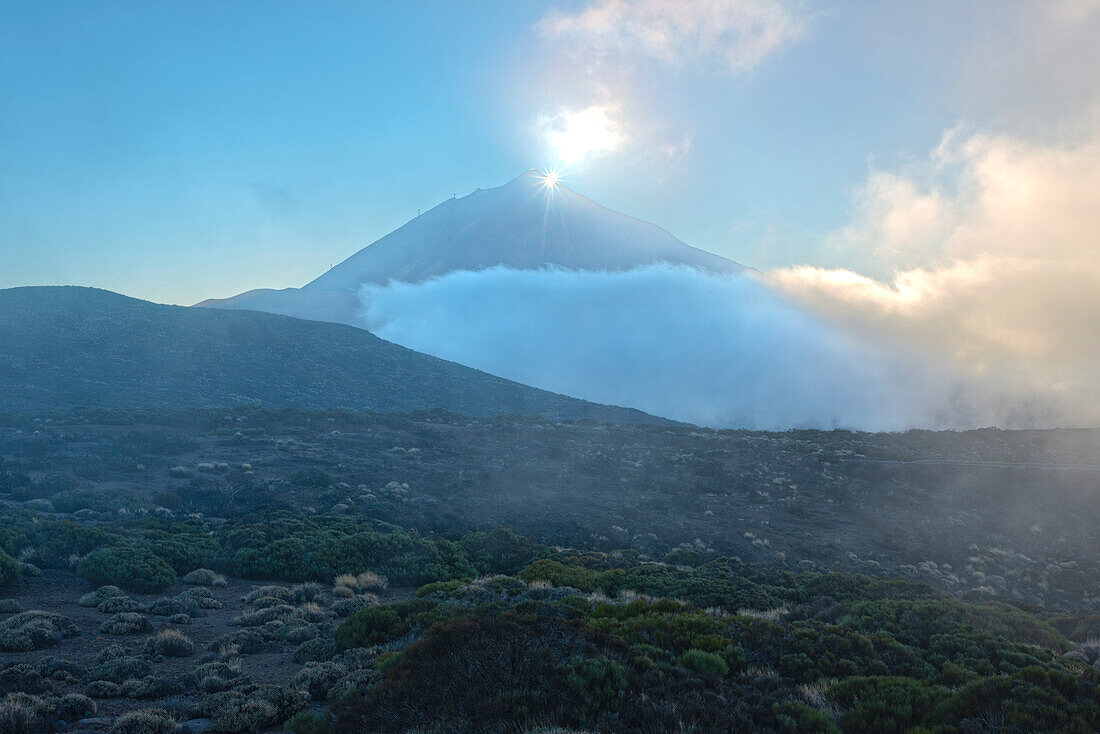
x,y
10,606
168,607
370,626
507,669
34,630
116,604
21,713
119,669
21,678
307,592
172,644
252,708
200,597
126,623
96,499
599,681
315,650
266,602
100,595
144,721
347,607
281,593
246,642
39,505
9,569
130,568
205,577
183,619
101,689
297,632
74,706
704,663
365,581
149,687
307,722
280,613
317,678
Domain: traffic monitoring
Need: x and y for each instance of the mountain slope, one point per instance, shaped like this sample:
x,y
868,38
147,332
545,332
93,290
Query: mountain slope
x,y
62,347
524,224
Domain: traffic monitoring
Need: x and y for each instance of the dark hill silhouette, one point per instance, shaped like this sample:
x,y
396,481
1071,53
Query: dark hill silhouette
x,y
62,347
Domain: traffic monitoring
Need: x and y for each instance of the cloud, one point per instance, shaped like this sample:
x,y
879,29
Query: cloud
x,y
994,252
574,137
720,351
737,34
1073,11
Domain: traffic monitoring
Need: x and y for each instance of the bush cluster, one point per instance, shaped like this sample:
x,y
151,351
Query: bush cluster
x,y
129,568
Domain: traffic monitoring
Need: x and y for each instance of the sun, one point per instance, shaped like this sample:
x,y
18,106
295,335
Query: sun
x,y
551,178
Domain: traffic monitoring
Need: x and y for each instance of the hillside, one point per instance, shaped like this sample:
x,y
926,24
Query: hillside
x,y
62,347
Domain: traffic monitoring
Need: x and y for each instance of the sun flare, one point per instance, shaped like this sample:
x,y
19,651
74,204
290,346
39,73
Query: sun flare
x,y
551,179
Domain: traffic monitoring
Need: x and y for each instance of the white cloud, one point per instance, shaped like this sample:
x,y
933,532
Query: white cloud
x,y
737,34
996,270
720,351
575,137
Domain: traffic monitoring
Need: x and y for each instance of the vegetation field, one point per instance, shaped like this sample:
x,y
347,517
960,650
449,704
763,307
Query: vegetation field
x,y
249,570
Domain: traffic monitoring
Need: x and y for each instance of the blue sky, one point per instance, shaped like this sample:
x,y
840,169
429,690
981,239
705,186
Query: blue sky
x,y
182,150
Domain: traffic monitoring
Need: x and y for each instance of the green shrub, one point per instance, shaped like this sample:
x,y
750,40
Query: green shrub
x,y
315,650
204,577
317,678
704,663
126,623
172,644
799,718
252,708
119,669
889,705
9,569
370,626
97,499
347,607
129,568
144,721
151,686
599,682
34,630
102,689
100,595
21,713
116,604
307,722
74,706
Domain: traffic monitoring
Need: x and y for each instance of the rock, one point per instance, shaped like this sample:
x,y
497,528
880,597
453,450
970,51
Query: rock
x,y
99,722
196,726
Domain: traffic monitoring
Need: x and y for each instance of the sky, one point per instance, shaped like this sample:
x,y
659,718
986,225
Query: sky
x,y
176,151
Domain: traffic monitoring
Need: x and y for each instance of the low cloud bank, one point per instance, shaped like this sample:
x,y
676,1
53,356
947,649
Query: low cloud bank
x,y
989,260
714,350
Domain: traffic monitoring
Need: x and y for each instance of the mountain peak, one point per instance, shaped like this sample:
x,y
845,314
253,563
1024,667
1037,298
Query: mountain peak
x,y
525,224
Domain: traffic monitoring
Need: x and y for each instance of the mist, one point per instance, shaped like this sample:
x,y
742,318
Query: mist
x,y
723,351
983,257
